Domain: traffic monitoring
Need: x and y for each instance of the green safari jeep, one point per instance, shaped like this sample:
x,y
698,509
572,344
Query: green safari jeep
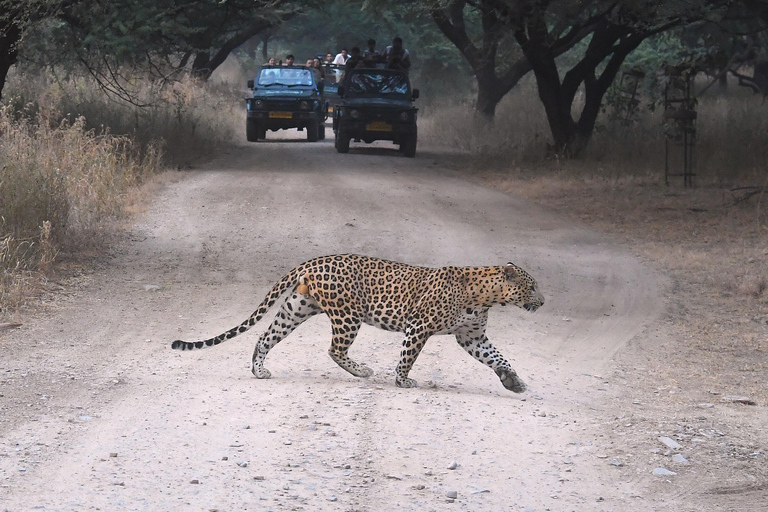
x,y
285,97
376,104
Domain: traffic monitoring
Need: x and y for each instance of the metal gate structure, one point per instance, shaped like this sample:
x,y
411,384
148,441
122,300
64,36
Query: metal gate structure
x,y
679,121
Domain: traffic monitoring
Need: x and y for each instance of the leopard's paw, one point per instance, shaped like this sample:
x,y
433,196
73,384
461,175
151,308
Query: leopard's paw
x,y
511,381
364,372
405,383
260,372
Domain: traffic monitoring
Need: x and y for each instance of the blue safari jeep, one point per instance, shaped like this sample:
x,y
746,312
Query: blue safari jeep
x,y
285,97
376,104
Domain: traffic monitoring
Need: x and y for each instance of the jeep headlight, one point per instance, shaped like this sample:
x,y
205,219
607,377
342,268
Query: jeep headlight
x,y
405,116
354,114
258,104
304,105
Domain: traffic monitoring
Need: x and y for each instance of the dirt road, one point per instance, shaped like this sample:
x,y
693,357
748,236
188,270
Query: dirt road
x,y
99,414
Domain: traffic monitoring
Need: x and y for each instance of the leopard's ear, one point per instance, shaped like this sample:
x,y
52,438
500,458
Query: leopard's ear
x,y
511,272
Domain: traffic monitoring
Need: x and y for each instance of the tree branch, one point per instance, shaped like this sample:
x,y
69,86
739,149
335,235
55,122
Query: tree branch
x,y
451,24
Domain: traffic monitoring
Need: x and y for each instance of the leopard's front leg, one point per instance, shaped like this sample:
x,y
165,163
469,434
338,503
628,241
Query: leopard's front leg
x,y
483,350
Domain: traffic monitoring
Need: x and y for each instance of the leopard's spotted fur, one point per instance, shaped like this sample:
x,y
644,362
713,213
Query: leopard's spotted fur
x,y
417,301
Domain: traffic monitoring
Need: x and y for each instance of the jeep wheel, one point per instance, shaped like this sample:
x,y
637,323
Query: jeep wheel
x,y
321,131
251,130
342,142
408,146
312,133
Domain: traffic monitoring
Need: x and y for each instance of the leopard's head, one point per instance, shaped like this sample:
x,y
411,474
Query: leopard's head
x,y
520,289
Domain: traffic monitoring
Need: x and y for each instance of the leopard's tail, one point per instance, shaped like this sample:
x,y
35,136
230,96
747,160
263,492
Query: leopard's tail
x,y
290,280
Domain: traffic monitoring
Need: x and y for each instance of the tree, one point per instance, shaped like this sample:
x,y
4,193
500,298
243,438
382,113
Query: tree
x,y
605,31
615,31
15,17
494,79
160,37
180,33
10,36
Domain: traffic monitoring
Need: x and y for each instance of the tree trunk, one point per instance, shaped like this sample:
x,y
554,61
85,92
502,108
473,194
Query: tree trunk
x,y
489,94
609,46
265,49
200,66
557,109
491,87
760,75
10,35
204,64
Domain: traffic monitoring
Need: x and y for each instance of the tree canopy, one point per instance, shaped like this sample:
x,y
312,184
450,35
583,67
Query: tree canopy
x,y
570,46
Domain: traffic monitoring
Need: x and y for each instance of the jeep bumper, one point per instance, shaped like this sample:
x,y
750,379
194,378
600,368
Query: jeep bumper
x,y
280,120
372,130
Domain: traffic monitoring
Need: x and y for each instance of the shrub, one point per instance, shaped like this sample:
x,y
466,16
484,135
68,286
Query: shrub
x,y
58,184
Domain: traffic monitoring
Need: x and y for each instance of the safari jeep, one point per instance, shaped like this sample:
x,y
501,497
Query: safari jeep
x,y
333,73
285,97
376,104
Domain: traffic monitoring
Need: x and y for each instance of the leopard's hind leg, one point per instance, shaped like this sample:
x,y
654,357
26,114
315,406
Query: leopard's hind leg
x,y
345,330
296,308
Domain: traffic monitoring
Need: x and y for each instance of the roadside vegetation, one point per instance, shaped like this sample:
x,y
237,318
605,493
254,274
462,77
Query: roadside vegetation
x,y
72,161
731,146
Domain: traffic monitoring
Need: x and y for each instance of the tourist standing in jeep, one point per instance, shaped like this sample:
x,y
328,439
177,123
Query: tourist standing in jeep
x,y
396,56
372,58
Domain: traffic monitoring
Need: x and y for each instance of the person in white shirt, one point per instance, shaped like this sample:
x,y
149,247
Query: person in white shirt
x,y
341,58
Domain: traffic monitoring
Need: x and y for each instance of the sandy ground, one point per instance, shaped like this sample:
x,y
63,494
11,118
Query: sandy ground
x,y
97,413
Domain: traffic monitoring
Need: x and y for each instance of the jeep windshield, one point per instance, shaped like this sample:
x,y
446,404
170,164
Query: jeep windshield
x,y
371,83
286,77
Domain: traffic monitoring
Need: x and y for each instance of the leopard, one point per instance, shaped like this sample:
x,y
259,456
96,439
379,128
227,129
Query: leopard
x,y
417,301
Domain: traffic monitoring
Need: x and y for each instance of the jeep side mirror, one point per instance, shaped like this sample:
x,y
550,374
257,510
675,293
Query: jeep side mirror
x,y
415,94
250,84
341,91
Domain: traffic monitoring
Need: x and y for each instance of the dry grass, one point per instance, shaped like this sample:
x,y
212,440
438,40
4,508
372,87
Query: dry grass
x,y
191,120
732,140
60,184
73,159
518,133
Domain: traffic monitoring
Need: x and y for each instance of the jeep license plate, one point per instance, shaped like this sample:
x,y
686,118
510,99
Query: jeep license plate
x,y
281,115
378,126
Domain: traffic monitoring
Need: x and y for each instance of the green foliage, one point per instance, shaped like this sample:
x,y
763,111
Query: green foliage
x,y
438,67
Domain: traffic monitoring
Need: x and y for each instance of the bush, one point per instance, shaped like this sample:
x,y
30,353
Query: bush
x,y
71,155
731,146
58,184
192,120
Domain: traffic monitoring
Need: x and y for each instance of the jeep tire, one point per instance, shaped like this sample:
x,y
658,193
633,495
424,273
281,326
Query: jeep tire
x,y
312,133
251,130
342,142
408,146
